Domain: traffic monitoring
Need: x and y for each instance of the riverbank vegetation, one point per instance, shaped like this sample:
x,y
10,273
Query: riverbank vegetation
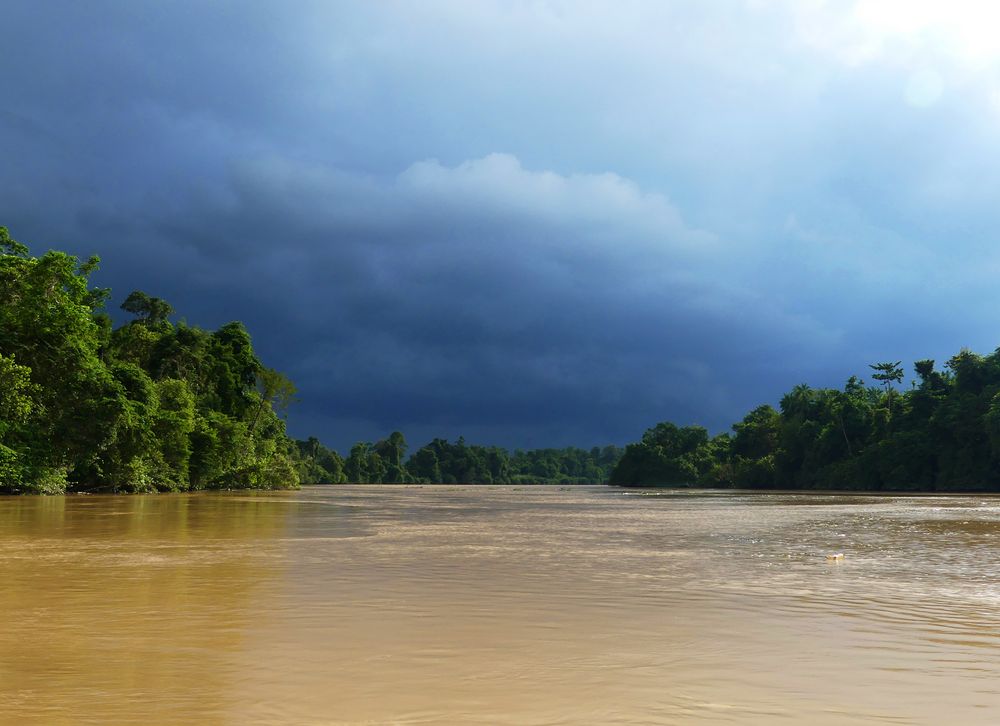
x,y
148,406
440,461
940,434
154,405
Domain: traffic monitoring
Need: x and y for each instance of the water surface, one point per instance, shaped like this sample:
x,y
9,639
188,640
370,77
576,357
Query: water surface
x,y
499,605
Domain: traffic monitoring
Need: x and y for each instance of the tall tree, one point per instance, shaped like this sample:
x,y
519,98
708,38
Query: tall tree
x,y
274,390
149,310
888,373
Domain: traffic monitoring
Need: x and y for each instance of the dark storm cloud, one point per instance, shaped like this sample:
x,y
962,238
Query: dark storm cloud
x,y
531,223
486,294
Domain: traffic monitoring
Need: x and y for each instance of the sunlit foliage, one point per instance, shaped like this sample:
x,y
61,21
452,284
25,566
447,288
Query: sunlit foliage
x,y
941,434
149,406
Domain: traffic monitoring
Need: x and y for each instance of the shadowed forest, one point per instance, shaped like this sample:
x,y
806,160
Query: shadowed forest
x,y
154,405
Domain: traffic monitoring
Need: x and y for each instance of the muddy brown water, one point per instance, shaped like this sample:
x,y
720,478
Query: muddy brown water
x,y
499,605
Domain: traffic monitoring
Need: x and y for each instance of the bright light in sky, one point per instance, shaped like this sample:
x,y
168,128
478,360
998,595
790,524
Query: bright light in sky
x,y
935,45
966,30
959,32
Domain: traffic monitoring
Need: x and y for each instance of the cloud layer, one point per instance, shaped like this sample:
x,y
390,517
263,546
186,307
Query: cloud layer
x,y
530,223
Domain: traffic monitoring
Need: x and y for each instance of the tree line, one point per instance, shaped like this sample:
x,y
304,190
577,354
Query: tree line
x,y
940,434
147,406
153,405
443,462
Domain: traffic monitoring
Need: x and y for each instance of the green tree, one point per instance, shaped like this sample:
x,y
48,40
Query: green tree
x,y
47,325
668,455
887,373
148,310
143,407
274,390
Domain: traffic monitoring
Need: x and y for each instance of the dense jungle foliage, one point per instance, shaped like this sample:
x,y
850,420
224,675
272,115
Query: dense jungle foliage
x,y
440,461
943,434
148,406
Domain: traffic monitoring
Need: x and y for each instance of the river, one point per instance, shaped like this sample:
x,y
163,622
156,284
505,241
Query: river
x,y
499,605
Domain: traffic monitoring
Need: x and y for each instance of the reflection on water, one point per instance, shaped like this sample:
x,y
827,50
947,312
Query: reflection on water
x,y
495,605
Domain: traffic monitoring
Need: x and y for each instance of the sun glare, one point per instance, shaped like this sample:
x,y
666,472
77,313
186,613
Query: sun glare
x,y
964,30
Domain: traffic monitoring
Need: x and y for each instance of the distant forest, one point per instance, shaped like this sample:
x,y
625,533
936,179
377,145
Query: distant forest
x,y
384,462
940,434
153,405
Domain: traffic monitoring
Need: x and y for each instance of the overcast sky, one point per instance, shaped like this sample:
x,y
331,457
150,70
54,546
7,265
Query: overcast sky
x,y
531,223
